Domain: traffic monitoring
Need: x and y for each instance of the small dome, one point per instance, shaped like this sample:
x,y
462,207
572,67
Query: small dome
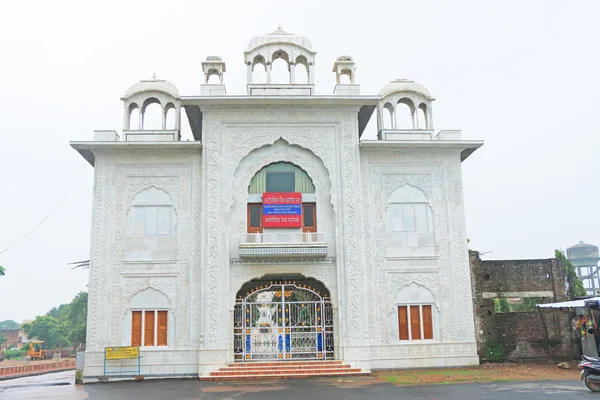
x,y
404,85
157,85
344,58
279,36
214,58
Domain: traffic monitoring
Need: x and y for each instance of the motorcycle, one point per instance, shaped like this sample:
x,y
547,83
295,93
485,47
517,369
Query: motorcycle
x,y
590,372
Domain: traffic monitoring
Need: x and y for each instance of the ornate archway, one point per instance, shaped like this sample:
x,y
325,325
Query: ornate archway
x,y
283,320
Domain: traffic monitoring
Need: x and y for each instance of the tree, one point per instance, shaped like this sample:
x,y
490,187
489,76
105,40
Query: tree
x,y
528,304
9,324
3,339
78,319
2,270
501,306
49,330
574,285
62,326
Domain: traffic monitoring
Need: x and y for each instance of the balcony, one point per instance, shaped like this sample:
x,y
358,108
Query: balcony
x,y
283,245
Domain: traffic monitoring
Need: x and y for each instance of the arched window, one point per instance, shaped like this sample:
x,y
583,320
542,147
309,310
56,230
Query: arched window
x,y
170,117
151,227
280,71
134,117
404,114
300,74
416,314
259,74
409,230
346,76
301,70
213,77
152,115
148,321
281,177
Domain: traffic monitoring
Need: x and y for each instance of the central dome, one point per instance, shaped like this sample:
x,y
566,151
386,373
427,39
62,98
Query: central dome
x,y
279,36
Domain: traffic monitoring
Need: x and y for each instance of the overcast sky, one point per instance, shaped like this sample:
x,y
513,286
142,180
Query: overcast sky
x,y
521,75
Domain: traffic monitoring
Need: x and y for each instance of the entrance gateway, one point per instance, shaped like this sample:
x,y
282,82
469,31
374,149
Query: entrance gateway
x,y
283,320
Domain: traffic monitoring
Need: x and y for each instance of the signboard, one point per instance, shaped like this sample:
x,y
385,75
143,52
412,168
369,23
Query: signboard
x,y
282,210
121,353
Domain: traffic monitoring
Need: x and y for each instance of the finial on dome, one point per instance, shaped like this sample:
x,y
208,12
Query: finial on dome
x,y
154,75
279,28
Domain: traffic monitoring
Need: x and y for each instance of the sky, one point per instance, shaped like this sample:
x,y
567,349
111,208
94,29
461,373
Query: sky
x,y
522,76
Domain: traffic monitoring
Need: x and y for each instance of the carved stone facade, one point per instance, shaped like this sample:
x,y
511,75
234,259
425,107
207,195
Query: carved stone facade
x,y
207,183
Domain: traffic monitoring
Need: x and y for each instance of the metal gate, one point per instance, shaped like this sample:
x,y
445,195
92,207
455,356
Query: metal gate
x,y
283,321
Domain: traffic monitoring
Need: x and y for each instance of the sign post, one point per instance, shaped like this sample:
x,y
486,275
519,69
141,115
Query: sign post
x,y
122,353
282,210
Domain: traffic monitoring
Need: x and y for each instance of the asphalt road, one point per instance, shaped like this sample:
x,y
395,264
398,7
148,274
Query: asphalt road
x,y
60,386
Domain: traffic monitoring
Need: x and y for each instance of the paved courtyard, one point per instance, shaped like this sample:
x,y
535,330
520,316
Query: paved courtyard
x,y
60,386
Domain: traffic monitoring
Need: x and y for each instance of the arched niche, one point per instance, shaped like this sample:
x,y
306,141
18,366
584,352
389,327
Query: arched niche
x,y
419,304
280,151
148,300
409,224
151,228
405,110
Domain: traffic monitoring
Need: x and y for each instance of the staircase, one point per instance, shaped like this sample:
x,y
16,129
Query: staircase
x,y
283,370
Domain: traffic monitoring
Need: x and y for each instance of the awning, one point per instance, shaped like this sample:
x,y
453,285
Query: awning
x,y
570,304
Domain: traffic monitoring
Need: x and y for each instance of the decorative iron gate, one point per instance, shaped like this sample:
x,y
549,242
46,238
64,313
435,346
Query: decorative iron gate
x,y
283,321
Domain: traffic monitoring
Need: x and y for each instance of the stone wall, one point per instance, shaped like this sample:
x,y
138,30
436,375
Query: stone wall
x,y
519,335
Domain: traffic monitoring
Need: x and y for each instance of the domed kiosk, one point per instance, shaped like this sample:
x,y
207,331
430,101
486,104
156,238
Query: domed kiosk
x,y
156,93
297,54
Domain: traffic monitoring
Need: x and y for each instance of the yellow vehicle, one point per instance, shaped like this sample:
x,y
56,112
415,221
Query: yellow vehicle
x,y
36,351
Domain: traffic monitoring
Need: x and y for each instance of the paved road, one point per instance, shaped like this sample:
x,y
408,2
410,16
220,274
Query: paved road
x,y
60,386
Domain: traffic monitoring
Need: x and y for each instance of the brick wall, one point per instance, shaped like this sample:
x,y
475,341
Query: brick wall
x,y
519,335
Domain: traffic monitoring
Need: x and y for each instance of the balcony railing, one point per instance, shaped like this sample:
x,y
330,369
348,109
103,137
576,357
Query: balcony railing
x,y
283,244
151,135
418,134
405,134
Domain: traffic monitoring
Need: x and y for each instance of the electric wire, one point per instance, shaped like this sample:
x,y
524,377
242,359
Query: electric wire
x,y
47,215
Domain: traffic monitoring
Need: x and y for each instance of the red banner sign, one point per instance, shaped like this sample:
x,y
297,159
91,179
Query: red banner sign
x,y
282,210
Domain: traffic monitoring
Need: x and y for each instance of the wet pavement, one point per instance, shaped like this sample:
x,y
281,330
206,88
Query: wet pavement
x,y
61,386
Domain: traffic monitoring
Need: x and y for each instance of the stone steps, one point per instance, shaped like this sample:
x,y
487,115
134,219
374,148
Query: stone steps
x,y
283,370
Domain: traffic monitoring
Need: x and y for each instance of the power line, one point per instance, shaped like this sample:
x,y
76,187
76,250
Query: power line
x,y
47,215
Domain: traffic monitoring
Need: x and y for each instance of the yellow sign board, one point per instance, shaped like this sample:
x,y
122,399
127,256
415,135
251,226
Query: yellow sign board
x,y
121,353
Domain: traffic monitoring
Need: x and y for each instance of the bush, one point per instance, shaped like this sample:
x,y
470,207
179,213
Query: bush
x,y
14,353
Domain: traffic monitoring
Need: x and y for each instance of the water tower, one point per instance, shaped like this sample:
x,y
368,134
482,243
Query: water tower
x,y
585,258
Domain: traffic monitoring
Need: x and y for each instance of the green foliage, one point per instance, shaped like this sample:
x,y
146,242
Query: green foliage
x,y
574,284
14,353
9,324
501,306
48,329
2,270
494,351
62,326
3,339
528,304
78,318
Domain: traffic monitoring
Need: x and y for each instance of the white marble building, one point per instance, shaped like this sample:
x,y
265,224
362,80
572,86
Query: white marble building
x,y
182,264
